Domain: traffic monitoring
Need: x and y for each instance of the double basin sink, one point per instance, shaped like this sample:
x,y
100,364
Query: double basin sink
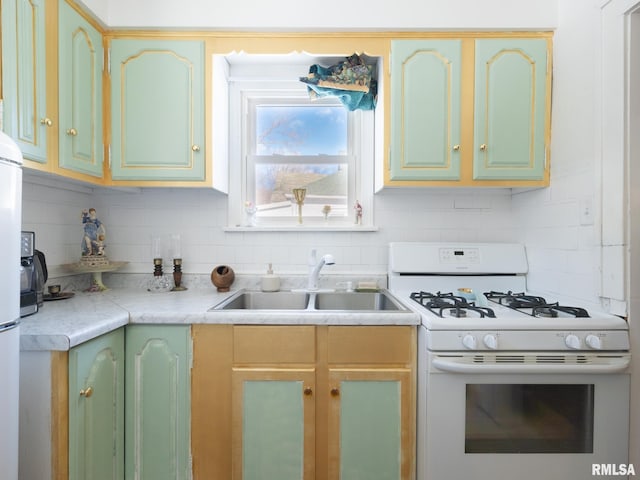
x,y
312,301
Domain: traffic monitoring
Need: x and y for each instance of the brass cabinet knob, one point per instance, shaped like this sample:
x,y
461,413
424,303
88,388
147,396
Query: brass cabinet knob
x,y
195,148
46,122
483,147
87,392
335,392
308,391
72,131
456,148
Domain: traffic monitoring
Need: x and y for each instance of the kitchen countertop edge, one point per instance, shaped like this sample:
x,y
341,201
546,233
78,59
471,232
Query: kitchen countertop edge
x,y
64,324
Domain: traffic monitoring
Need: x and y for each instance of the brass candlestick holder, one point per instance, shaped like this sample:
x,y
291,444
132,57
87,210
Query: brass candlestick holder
x,y
299,194
177,275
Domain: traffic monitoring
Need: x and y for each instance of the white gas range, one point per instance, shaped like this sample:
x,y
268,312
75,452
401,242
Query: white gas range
x,y
509,381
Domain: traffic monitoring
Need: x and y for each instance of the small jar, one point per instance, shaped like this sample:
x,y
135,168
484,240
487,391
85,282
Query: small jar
x,y
468,294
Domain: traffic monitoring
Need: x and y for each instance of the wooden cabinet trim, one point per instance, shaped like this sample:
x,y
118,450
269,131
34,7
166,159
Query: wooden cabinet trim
x,y
60,415
371,345
211,401
274,344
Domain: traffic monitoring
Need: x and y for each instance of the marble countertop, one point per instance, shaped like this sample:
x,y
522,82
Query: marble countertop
x,y
63,324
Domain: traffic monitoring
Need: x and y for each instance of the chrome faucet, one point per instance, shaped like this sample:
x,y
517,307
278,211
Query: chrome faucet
x,y
315,266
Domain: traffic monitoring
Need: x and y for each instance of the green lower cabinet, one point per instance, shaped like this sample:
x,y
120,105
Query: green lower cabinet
x,y
370,430
158,386
96,408
368,424
273,433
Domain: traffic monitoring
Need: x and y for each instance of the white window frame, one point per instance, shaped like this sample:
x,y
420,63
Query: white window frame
x,y
243,89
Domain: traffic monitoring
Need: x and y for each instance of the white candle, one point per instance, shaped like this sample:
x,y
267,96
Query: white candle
x,y
175,245
156,247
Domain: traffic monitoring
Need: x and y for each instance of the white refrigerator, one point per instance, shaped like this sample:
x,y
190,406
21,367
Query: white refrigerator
x,y
10,226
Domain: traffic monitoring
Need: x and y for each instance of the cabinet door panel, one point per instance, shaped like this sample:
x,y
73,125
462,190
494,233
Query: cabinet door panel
x,y
157,400
510,109
80,59
24,76
369,424
425,109
273,419
96,409
157,110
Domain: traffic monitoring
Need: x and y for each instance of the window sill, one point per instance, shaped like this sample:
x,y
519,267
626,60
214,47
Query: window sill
x,y
304,228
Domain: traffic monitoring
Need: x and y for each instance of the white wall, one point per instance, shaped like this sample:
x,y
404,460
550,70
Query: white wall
x,y
329,14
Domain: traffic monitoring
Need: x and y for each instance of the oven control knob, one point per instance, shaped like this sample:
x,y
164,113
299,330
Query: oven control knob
x,y
593,341
572,341
469,342
490,341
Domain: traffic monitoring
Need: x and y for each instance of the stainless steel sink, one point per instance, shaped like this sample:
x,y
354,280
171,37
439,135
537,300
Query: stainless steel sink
x,y
253,300
311,301
358,301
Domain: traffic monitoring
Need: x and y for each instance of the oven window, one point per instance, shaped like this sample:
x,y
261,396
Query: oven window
x,y
529,418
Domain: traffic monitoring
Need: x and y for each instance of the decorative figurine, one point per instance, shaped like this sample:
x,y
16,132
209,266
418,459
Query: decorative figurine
x,y
325,211
358,208
95,234
250,214
299,194
94,258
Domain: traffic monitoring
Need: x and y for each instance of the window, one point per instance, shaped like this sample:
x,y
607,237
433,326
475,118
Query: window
x,y
294,143
287,141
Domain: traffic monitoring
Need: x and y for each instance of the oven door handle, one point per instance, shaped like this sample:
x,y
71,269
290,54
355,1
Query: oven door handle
x,y
458,365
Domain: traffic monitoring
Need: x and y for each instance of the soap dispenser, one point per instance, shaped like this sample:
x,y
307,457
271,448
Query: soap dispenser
x,y
270,282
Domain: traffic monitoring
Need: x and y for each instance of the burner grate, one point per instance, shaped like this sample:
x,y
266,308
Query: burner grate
x,y
458,307
534,305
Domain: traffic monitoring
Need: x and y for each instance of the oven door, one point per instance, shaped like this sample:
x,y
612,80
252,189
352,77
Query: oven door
x,y
523,425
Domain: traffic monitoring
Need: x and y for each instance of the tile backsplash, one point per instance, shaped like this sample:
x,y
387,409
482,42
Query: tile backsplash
x,y
132,216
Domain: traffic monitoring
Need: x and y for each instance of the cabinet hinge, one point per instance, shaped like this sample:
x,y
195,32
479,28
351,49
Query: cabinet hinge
x,y
109,61
109,156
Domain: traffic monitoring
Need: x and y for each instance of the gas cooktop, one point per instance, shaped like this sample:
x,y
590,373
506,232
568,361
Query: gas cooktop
x,y
478,291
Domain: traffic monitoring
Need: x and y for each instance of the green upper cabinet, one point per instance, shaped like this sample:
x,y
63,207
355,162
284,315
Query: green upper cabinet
x,y
470,111
158,369
510,109
425,109
96,408
157,110
24,77
80,56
